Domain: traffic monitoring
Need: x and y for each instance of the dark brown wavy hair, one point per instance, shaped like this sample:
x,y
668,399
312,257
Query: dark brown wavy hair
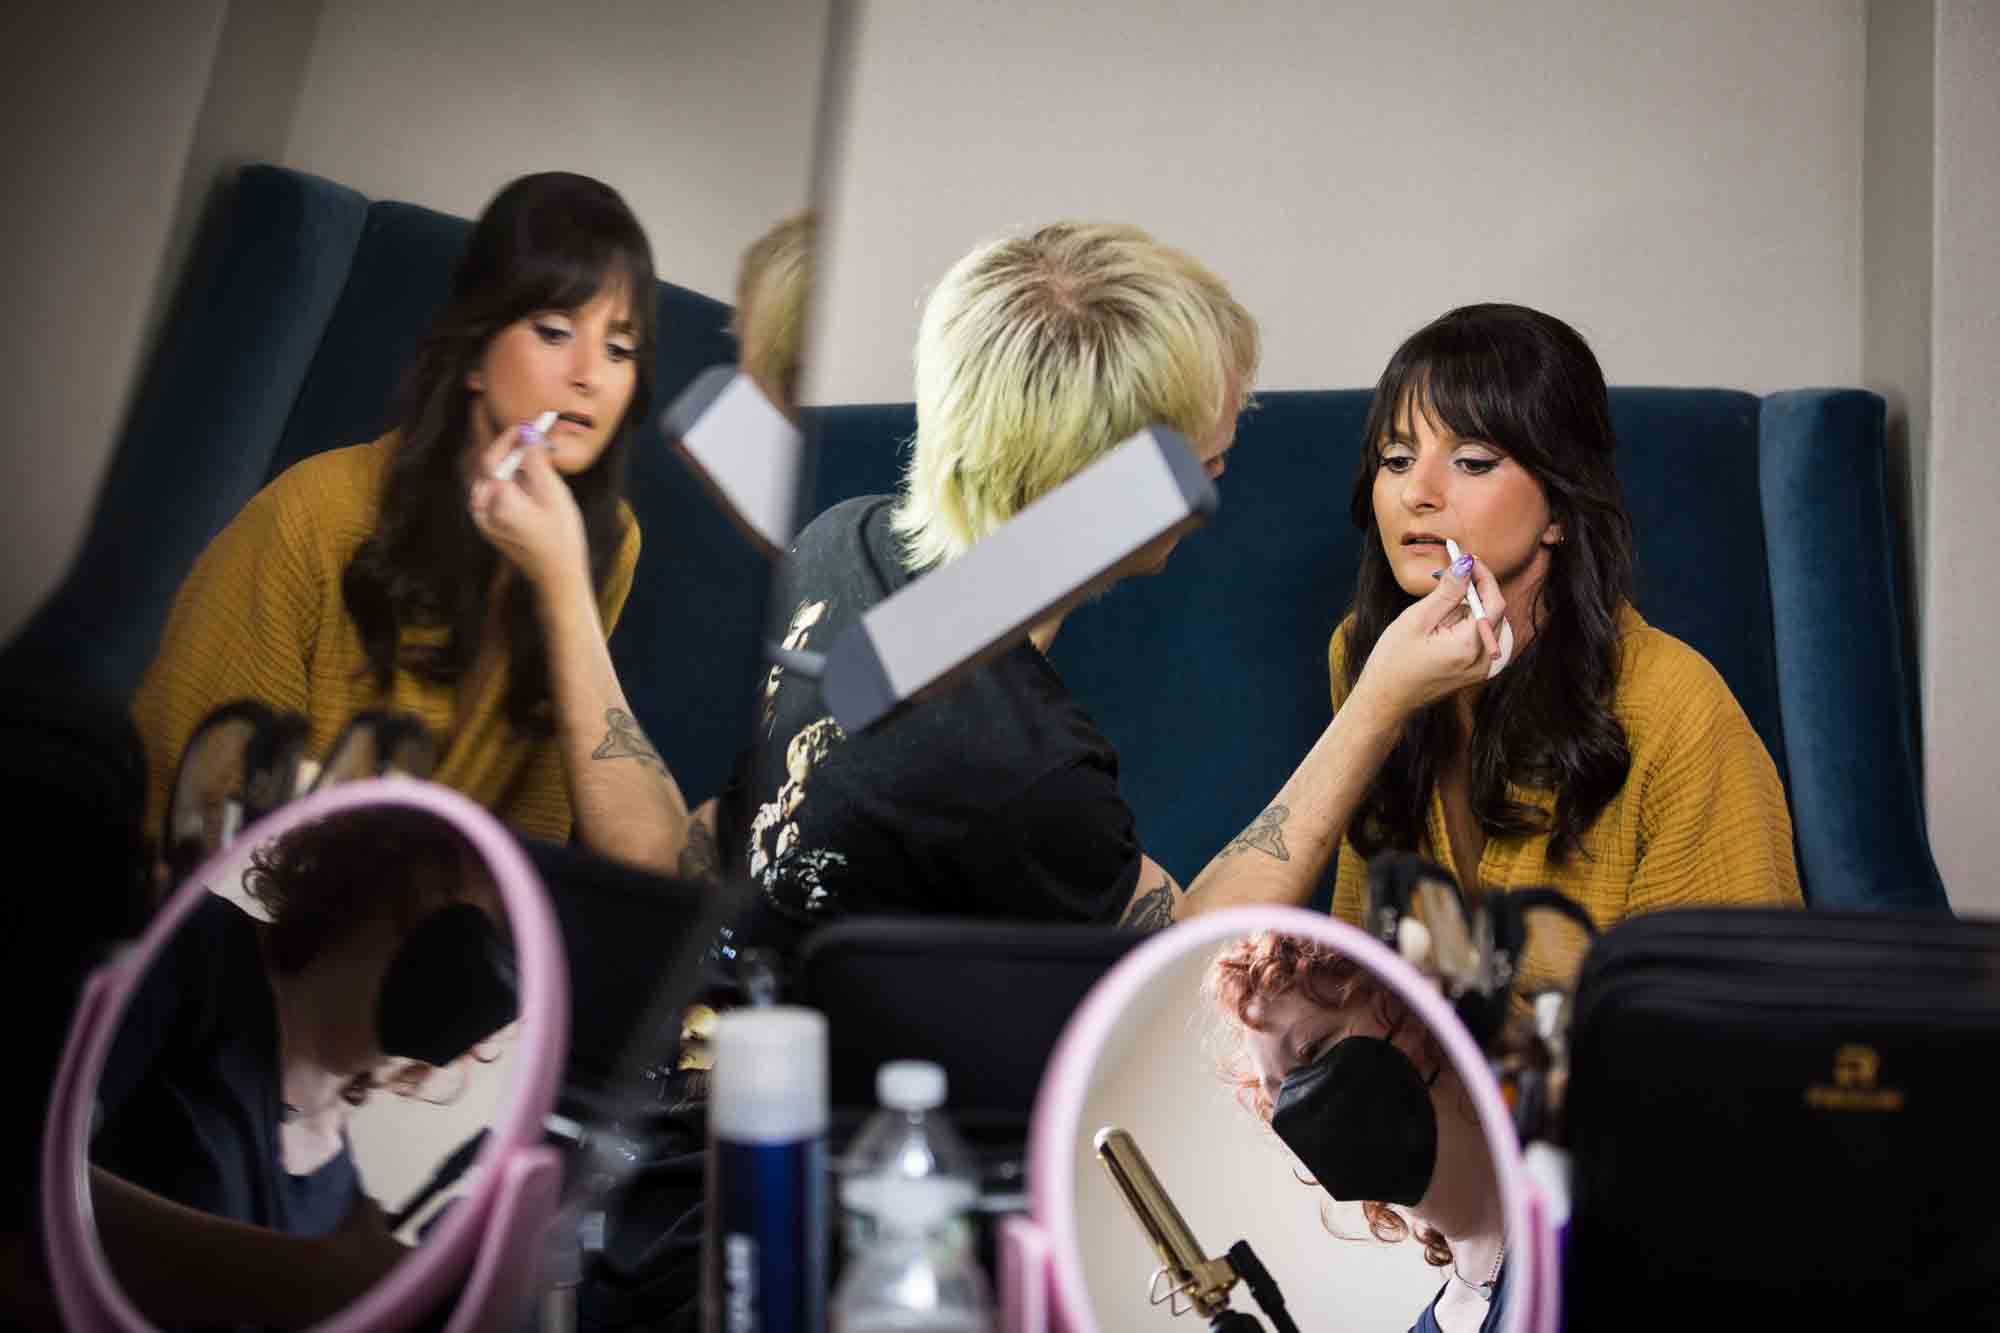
x,y
321,879
1527,384
551,241
1253,972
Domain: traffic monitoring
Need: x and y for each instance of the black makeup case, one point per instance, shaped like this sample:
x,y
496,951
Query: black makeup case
x,y
1785,1119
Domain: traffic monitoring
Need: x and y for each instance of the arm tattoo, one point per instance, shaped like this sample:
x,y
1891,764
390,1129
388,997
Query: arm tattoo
x,y
701,858
626,741
1265,834
1153,909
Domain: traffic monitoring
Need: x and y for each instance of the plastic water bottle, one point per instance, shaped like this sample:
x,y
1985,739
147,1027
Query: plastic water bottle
x,y
909,1182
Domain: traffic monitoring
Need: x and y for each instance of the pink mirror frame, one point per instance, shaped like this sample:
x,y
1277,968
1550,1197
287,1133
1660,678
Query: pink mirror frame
x,y
1041,1282
490,1239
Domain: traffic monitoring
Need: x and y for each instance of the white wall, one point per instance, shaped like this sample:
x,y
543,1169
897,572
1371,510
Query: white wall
x,y
1681,180
702,116
1961,640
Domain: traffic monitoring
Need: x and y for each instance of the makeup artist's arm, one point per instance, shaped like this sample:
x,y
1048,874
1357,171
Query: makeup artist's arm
x,y
183,1267
626,802
1430,651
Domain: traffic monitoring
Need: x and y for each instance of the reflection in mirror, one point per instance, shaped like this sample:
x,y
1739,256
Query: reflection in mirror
x,y
282,1108
1373,1202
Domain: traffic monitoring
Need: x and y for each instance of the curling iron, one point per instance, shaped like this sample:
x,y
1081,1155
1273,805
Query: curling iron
x,y
1184,1271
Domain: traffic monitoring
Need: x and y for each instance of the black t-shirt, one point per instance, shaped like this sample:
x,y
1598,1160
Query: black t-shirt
x,y
996,798
190,1097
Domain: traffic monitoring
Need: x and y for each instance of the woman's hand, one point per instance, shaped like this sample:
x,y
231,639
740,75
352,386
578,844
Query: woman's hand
x,y
1435,648
531,518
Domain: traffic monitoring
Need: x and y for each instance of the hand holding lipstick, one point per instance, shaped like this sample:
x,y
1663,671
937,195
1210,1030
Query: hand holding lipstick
x,y
1435,647
1501,651
536,434
524,507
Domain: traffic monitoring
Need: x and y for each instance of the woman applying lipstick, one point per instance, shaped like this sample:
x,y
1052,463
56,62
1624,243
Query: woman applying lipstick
x,y
1607,758
395,574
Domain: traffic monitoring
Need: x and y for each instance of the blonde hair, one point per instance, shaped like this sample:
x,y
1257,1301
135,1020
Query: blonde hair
x,y
1038,353
770,321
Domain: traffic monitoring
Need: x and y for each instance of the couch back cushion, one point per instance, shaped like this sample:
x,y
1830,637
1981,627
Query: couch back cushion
x,y
1210,678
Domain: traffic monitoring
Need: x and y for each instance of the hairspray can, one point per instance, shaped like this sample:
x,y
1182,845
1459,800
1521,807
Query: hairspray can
x,y
764,1265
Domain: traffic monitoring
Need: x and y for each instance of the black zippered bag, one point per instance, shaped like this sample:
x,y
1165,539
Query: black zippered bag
x,y
1785,1119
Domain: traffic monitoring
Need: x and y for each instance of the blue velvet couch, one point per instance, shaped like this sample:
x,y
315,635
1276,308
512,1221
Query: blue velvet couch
x,y
1763,527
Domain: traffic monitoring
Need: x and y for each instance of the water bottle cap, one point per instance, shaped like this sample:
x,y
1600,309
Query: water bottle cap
x,y
910,1085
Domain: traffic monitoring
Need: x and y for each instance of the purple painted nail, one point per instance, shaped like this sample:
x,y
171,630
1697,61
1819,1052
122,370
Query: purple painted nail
x,y
530,435
1461,568
1437,573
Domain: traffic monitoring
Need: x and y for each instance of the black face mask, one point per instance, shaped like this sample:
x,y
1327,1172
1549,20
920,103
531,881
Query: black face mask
x,y
450,984
1360,1119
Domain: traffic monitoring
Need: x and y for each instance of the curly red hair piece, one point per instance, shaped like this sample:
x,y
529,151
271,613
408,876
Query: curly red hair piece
x,y
1252,973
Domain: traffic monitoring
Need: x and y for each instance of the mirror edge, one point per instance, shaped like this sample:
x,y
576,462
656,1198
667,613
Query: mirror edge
x,y
1060,1098
89,1294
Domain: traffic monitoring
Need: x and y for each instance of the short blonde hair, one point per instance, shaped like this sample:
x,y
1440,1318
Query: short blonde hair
x,y
771,291
1038,353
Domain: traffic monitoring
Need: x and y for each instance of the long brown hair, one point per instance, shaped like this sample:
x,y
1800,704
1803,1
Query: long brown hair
x,y
551,241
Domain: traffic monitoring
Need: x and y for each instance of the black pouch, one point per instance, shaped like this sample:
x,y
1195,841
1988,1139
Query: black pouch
x,y
1781,1119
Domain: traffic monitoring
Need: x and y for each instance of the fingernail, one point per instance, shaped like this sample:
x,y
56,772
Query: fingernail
x,y
531,435
1462,567
1437,573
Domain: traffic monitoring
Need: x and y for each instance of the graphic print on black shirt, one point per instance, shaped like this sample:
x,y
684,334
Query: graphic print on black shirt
x,y
996,798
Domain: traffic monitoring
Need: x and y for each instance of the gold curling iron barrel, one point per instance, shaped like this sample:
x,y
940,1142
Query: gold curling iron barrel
x,y
1204,1282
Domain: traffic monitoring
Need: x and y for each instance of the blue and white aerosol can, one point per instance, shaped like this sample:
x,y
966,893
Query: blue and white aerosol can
x,y
765,1265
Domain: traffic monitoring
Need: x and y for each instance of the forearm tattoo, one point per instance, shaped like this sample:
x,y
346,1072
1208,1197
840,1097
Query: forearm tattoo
x,y
1153,909
625,741
1265,834
701,858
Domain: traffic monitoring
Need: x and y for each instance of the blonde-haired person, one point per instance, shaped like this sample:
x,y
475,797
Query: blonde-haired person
x,y
770,320
999,797
1038,353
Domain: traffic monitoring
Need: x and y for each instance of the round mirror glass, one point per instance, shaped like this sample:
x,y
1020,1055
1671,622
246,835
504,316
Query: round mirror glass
x,y
1270,1092
294,1080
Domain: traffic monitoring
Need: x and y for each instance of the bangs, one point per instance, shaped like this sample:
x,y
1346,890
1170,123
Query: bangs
x,y
575,275
1459,389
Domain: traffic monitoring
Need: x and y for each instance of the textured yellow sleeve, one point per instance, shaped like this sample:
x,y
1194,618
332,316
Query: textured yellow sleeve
x,y
1714,826
242,626
538,805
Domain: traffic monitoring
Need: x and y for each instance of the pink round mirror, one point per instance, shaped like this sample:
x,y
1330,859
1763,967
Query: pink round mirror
x,y
1153,1152
247,1125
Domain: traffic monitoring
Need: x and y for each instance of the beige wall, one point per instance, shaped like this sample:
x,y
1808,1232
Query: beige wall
x,y
1681,179
700,115
1896,256
103,100
1961,640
